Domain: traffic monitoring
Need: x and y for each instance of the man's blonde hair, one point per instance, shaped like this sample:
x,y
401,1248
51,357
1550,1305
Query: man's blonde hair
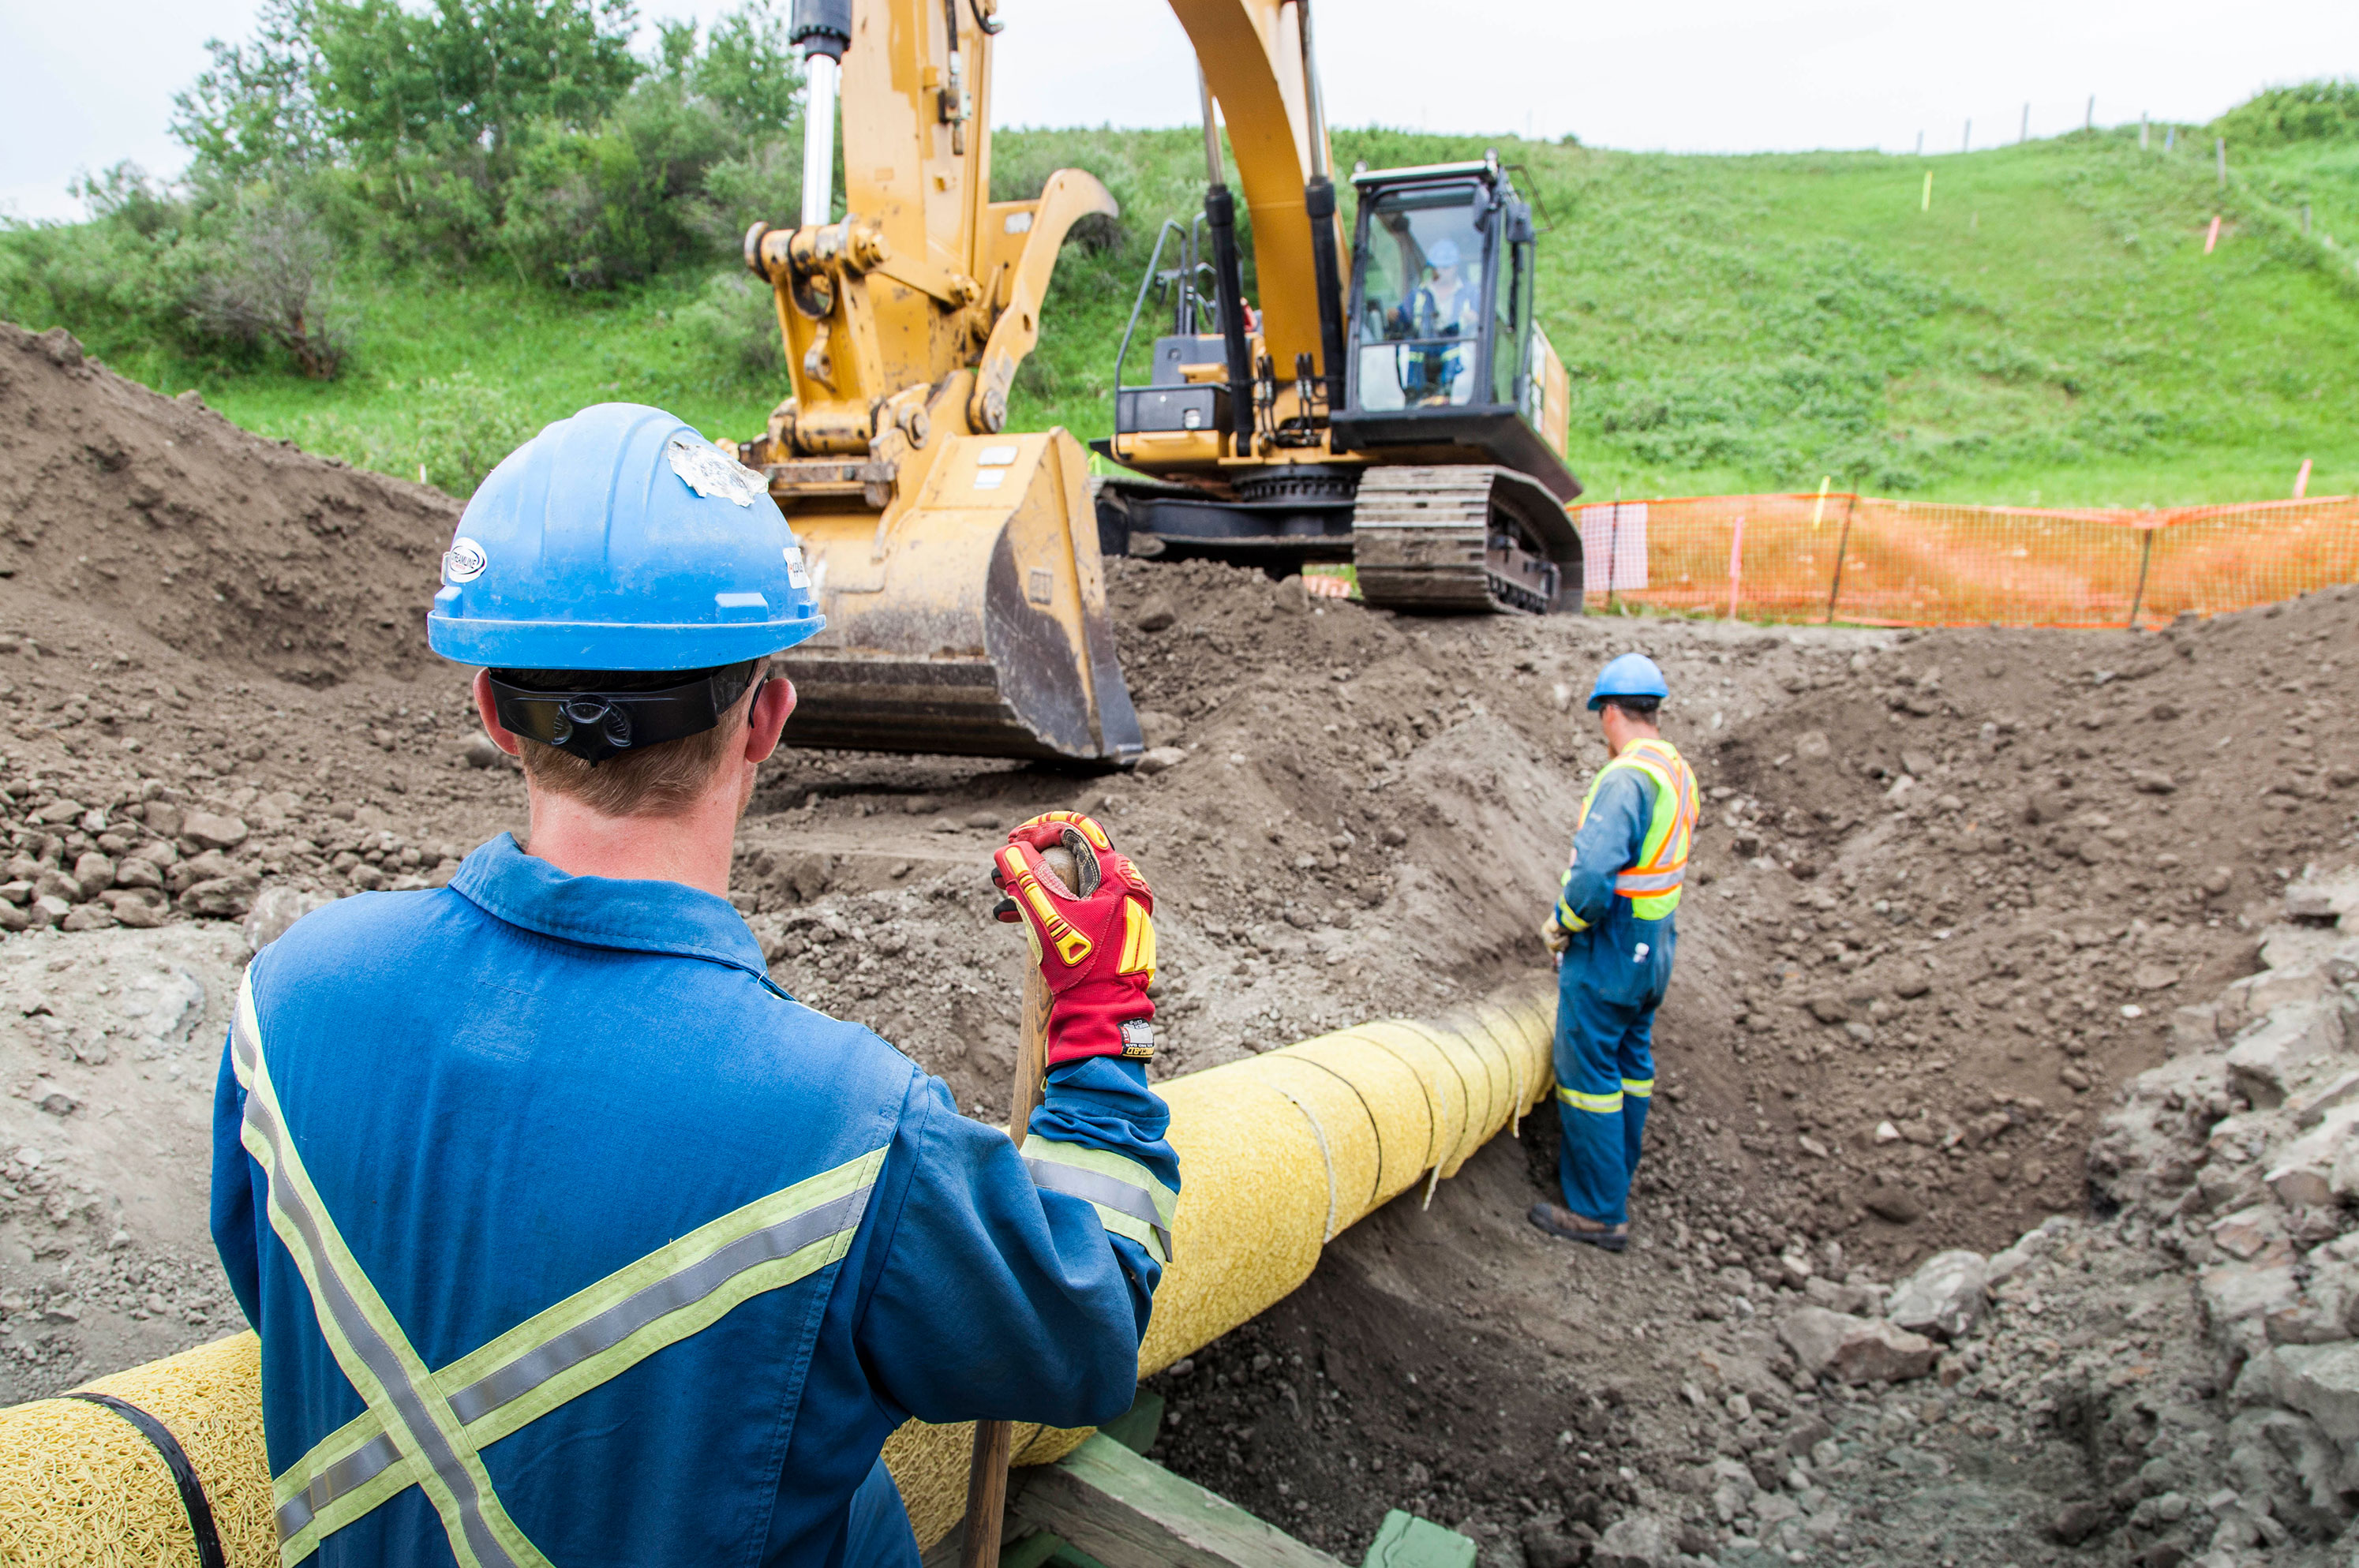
x,y
647,781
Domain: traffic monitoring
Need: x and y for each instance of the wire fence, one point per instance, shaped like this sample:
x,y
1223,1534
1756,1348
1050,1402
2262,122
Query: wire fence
x,y
1841,557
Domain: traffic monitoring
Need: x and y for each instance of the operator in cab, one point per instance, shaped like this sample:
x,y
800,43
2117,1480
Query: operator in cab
x,y
1439,312
570,1234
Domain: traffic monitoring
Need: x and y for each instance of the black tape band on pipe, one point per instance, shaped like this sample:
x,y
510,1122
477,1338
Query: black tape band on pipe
x,y
184,1474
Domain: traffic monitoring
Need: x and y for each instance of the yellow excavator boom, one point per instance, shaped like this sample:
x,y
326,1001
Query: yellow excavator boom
x,y
958,566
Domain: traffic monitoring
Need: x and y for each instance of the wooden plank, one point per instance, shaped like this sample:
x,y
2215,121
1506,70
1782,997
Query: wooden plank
x,y
1129,1512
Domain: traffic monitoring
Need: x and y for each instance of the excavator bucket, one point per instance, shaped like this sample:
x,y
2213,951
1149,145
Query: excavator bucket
x,y
968,618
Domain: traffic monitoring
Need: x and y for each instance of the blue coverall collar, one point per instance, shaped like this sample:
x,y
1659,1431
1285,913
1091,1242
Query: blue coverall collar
x,y
605,911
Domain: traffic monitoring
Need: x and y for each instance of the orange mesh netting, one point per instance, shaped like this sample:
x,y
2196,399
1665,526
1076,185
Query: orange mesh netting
x,y
1860,558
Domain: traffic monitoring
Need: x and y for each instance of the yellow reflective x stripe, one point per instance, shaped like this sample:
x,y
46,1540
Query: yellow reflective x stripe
x,y
589,1337
1602,1105
362,1334
1638,1088
593,1336
1129,1201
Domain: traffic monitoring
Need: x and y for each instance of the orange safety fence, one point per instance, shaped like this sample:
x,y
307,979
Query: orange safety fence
x,y
1841,557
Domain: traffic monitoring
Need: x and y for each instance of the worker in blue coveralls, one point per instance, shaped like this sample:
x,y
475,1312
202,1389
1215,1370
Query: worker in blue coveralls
x,y
1613,930
572,1236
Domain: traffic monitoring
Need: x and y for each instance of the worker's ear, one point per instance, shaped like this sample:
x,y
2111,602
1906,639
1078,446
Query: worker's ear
x,y
487,709
772,707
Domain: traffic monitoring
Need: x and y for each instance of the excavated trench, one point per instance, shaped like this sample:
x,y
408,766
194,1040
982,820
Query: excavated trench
x,y
1952,890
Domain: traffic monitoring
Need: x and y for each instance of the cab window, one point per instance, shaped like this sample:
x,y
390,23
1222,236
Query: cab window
x,y
1420,327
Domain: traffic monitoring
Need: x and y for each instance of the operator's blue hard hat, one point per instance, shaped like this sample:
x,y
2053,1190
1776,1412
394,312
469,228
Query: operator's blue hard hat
x,y
1632,675
621,539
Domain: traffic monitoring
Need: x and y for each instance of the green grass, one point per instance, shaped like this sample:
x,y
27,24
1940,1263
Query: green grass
x,y
2049,333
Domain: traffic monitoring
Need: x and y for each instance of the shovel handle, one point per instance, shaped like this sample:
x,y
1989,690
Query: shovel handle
x,y
987,1480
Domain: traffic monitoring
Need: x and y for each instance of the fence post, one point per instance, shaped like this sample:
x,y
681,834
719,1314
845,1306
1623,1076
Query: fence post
x,y
1843,548
1735,564
2146,555
2220,148
1613,548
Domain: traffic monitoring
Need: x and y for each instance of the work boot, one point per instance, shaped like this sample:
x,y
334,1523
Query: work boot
x,y
1562,1222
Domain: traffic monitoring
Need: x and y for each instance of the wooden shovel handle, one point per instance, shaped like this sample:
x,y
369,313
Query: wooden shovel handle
x,y
986,1481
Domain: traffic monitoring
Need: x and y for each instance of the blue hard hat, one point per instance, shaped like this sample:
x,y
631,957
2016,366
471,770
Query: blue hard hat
x,y
621,539
1632,675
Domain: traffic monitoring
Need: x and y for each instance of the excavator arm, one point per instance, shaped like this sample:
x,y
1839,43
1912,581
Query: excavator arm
x,y
958,568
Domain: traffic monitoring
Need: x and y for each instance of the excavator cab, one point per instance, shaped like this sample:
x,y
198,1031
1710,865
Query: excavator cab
x,y
1444,351
1430,453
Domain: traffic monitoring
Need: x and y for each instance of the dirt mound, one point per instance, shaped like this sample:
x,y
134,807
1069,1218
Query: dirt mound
x,y
160,513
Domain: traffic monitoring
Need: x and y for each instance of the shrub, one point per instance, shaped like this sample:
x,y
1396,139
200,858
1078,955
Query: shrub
x,y
734,321
2326,110
262,284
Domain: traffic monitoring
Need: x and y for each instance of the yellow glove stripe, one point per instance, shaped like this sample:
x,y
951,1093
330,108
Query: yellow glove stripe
x,y
1137,940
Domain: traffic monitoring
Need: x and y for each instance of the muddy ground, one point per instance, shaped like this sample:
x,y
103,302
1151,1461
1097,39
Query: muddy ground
x,y
1950,888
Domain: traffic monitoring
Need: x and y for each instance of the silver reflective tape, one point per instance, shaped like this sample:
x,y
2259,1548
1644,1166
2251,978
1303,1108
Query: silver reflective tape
x,y
333,1298
350,1473
1093,1187
674,1293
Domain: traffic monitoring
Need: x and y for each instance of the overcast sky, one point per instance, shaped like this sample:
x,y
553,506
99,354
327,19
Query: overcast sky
x,y
87,88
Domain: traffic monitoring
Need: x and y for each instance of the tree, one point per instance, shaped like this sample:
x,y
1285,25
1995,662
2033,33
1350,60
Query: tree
x,y
469,75
256,110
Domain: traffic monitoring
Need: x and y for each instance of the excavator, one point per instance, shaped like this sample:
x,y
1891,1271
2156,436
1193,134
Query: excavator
x,y
1407,416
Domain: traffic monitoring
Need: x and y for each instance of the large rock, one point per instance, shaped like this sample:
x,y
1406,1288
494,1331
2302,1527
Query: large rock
x,y
2278,1056
2322,1381
2303,1171
2256,995
277,908
222,898
2326,1310
2255,1235
1880,1352
1814,1335
1944,1298
2238,1297
1637,1540
214,831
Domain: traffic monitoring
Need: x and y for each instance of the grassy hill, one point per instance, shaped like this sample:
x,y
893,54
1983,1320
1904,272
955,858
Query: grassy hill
x,y
2050,331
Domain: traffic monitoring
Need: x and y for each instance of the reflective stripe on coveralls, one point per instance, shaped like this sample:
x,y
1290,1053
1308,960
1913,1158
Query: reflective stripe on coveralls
x,y
1129,1201
1602,1105
425,1429
1653,883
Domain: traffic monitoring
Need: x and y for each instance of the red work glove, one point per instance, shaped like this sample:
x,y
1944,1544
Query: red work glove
x,y
1095,943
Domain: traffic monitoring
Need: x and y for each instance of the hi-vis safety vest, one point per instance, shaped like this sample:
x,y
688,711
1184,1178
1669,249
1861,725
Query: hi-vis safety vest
x,y
1652,883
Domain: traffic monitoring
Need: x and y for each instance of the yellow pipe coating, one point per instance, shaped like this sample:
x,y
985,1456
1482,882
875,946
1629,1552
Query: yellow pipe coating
x,y
1278,1153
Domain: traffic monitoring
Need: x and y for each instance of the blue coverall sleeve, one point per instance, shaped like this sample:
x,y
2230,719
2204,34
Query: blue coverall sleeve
x,y
998,1300
236,1235
1609,843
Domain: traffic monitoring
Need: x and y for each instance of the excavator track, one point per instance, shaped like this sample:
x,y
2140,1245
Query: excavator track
x,y
1464,537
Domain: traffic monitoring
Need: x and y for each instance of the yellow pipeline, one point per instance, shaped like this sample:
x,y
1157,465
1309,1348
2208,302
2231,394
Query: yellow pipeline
x,y
1278,1153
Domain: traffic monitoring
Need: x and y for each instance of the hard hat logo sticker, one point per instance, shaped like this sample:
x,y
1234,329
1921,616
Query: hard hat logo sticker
x,y
796,574
463,561
709,472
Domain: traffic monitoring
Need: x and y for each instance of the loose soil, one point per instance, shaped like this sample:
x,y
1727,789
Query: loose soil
x,y
1948,888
